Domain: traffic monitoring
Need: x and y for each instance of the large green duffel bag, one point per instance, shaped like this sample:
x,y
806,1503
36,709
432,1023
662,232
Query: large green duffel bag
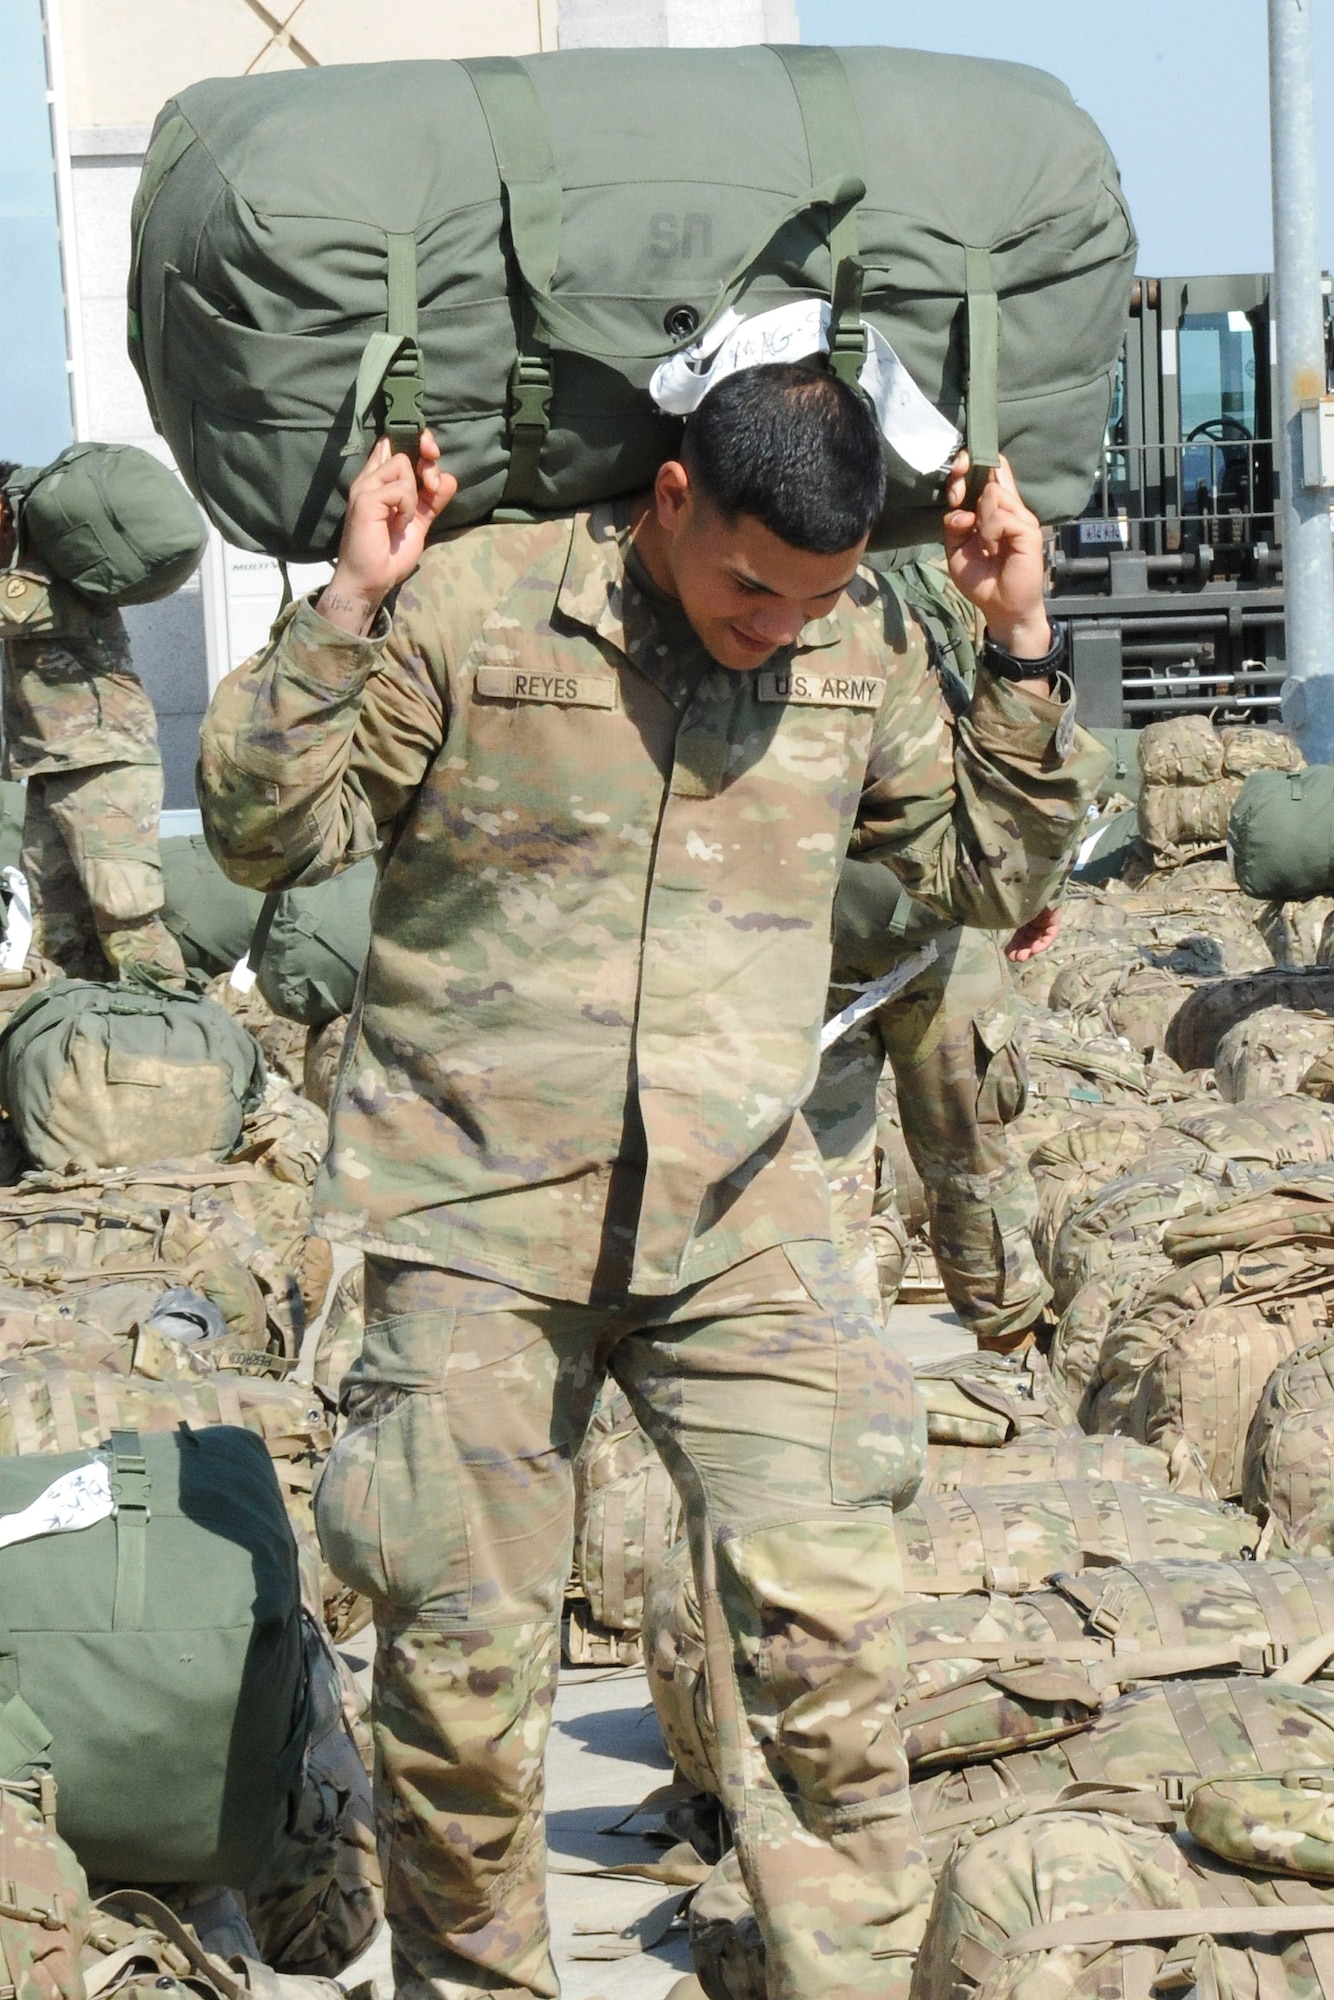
x,y
511,247
213,920
108,1076
1281,834
154,1659
317,945
110,520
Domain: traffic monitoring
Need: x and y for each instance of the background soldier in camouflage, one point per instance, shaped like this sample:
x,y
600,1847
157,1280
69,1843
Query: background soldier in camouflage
x,y
80,729
948,1035
611,763
949,1038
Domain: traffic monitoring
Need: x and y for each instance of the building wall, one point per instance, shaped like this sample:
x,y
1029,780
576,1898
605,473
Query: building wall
x,y
675,24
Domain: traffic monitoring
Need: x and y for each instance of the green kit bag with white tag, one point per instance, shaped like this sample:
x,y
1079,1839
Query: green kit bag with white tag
x,y
154,1660
507,250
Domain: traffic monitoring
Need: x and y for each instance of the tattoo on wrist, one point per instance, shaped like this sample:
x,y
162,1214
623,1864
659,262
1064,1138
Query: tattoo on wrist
x,y
340,606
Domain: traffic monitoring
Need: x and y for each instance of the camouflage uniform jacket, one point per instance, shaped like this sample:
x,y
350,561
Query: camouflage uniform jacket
x,y
72,701
601,937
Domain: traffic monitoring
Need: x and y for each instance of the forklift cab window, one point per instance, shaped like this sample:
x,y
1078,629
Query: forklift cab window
x,y
1216,359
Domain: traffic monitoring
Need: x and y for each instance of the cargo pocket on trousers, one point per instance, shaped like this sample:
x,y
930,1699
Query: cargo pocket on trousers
x,y
878,1436
388,1506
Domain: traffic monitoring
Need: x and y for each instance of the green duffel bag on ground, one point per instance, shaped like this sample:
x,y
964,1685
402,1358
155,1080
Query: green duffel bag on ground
x,y
1122,775
317,945
106,1076
212,919
154,1658
1281,834
497,255
110,520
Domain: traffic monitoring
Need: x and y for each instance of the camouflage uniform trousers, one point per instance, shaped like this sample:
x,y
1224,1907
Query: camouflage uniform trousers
x,y
80,728
960,1079
90,855
791,1432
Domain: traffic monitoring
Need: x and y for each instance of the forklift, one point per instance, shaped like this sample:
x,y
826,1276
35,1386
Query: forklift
x,y
1171,580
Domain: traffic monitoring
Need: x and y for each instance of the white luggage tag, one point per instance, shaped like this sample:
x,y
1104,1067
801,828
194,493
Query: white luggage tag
x,y
78,1499
912,424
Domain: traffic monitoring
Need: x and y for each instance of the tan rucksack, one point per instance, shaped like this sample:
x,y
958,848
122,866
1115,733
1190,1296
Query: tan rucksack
x,y
1100,1902
1071,1166
1288,1475
1282,1281
1133,997
1011,1538
1167,1738
63,1236
1205,1384
45,1907
1191,777
990,1399
1269,1053
987,1673
1218,1005
1126,1218
627,1515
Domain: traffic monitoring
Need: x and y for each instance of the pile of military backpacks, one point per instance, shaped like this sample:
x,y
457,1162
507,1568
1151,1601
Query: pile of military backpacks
x,y
1117,1704
184,1792
1118,1708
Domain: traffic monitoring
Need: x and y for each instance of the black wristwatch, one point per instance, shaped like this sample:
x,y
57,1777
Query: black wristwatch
x,y
1051,663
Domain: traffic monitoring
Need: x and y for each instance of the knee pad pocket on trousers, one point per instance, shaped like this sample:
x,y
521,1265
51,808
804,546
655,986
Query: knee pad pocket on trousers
x,y
388,1506
878,1438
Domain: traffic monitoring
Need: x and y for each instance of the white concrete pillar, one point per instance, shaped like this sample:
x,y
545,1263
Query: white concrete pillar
x,y
675,24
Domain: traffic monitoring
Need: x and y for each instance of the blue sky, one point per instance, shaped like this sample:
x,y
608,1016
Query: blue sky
x,y
1179,87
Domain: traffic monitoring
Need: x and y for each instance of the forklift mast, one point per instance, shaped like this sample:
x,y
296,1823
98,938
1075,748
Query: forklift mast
x,y
1171,580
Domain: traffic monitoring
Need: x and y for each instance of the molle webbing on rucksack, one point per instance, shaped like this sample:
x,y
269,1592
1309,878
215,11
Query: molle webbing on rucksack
x,y
1012,1538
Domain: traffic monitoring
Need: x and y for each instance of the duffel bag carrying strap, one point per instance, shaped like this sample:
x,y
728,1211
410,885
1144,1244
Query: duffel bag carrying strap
x,y
533,197
130,1488
834,149
392,361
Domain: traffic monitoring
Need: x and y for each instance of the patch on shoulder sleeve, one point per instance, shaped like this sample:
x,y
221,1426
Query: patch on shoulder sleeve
x,y
804,688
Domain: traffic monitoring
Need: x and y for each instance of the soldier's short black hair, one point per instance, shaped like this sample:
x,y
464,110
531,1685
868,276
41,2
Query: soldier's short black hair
x,y
794,447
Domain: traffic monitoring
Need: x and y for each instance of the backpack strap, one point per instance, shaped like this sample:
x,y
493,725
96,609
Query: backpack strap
x,y
947,1578
18,1400
1209,1758
131,1487
834,149
1144,1926
534,197
1258,1722
1273,1608
982,319
391,362
106,1404
64,1416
